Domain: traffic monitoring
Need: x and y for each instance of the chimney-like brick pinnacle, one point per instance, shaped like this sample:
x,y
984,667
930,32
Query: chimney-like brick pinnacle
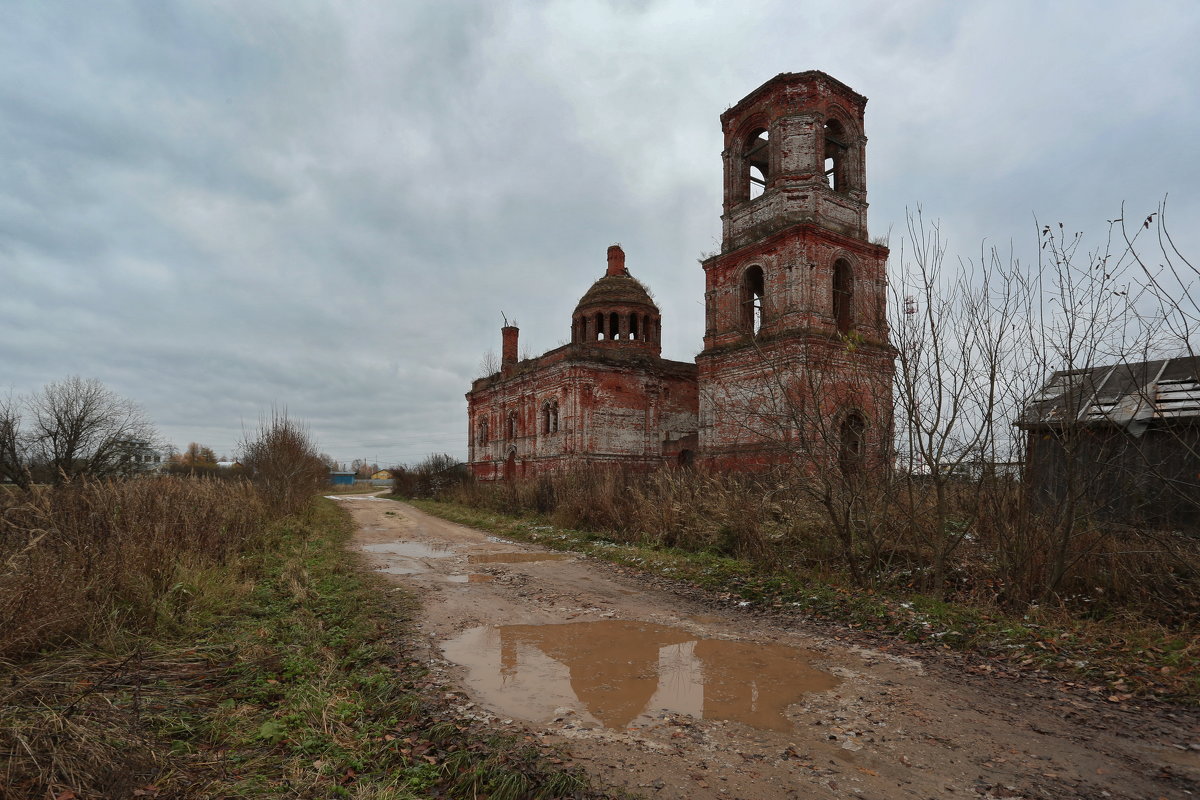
x,y
508,351
616,260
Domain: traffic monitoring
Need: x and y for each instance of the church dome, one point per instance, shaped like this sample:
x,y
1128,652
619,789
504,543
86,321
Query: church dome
x,y
612,290
617,310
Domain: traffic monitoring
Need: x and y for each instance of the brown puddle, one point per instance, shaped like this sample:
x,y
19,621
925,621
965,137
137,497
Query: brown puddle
x,y
410,549
512,558
621,672
402,570
474,577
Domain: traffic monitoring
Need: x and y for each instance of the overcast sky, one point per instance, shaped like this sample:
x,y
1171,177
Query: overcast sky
x,y
214,207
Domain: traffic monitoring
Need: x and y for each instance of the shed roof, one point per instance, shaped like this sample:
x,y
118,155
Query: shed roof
x,y
1131,395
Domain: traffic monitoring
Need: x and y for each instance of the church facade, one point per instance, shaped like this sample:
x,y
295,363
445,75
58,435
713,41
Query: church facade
x,y
796,364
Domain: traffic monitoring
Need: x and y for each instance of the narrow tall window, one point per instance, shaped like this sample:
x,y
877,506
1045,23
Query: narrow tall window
x,y
753,300
835,155
633,326
757,160
483,432
614,326
511,428
599,326
843,296
851,447
553,416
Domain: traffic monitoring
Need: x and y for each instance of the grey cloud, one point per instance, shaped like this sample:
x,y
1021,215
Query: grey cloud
x,y
217,207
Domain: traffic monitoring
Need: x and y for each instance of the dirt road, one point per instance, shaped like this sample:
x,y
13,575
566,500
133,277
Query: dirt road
x,y
671,696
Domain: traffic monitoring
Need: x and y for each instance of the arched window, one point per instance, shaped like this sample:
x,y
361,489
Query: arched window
x,y
550,416
482,437
843,296
614,326
633,326
599,326
836,148
851,448
510,430
756,157
753,291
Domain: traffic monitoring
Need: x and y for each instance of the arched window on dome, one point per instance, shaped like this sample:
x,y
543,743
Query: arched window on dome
x,y
614,326
599,327
633,326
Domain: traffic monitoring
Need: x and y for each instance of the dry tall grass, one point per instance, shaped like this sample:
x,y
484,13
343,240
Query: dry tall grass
x,y
1006,554
90,559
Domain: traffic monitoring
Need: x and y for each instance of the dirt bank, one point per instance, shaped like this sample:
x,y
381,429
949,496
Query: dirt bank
x,y
679,696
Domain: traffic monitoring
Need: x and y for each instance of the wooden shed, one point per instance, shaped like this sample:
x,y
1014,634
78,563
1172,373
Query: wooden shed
x,y
1121,441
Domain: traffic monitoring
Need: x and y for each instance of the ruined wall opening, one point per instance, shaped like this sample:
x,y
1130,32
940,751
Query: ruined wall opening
x,y
550,417
614,326
510,429
843,296
757,161
836,149
599,327
753,292
633,326
482,436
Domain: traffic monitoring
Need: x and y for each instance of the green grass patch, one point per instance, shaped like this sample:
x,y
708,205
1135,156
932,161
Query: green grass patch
x,y
1116,657
296,681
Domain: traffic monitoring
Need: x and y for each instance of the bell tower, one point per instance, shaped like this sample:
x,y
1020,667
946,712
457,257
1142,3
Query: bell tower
x,y
796,362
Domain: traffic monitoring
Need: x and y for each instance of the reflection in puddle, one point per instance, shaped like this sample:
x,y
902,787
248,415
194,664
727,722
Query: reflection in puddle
x,y
411,549
620,672
402,570
513,558
474,577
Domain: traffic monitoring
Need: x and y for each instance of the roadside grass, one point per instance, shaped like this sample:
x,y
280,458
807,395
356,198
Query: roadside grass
x,y
295,680
1116,658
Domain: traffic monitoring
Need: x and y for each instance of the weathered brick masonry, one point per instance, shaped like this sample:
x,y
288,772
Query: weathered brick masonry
x,y
796,360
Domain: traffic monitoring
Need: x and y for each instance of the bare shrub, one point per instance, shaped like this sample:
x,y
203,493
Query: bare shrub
x,y
434,476
283,461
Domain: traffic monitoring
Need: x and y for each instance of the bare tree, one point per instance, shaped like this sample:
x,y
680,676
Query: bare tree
x,y
958,341
80,427
14,464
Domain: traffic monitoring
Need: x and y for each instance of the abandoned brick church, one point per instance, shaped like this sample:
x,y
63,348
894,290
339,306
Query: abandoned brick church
x,y
796,365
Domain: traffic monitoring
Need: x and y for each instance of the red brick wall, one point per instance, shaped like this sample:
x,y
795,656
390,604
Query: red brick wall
x,y
610,410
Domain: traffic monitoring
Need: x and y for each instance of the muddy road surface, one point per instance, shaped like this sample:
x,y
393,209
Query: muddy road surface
x,y
671,694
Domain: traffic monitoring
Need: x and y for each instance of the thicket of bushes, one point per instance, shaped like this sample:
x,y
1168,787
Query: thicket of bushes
x,y
879,536
434,476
